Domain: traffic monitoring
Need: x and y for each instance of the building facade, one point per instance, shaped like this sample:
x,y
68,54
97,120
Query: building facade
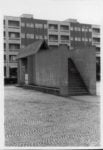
x,y
12,42
24,30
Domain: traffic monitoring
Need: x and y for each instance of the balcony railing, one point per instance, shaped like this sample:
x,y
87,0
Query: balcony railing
x,y
13,26
95,42
14,38
13,61
64,41
53,29
96,34
15,50
53,40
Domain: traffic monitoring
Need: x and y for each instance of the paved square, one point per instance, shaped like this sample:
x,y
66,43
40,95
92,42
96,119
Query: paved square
x,y
38,119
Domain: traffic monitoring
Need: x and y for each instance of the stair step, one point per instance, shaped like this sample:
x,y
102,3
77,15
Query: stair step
x,y
77,87
78,92
81,90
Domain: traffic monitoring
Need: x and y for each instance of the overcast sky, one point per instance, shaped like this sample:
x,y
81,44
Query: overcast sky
x,y
87,11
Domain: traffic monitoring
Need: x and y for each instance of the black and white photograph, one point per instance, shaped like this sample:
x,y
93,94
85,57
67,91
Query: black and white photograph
x,y
51,73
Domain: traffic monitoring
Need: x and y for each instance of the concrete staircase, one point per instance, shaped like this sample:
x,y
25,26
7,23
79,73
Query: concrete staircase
x,y
76,84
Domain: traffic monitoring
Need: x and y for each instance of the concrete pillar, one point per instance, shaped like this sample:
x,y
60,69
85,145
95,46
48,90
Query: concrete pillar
x,y
30,69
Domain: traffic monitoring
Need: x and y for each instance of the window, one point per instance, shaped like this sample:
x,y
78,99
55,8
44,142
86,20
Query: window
x,y
22,46
4,46
86,29
12,57
4,57
53,27
30,25
83,29
14,35
71,38
14,46
22,35
71,28
64,27
53,37
37,37
45,37
4,22
79,39
76,28
38,25
45,26
4,71
40,37
90,39
64,37
86,39
4,34
22,24
76,39
90,30
83,39
30,36
13,23
79,29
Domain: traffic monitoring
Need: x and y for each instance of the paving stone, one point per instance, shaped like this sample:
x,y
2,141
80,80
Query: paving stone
x,y
37,119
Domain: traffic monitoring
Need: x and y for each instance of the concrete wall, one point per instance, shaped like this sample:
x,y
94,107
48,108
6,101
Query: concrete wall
x,y
30,69
85,61
52,68
21,72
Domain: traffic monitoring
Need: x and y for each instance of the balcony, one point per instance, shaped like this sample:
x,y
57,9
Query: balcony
x,y
12,61
14,35
13,24
67,42
53,27
96,34
14,38
97,54
14,47
96,43
53,40
15,41
64,28
14,50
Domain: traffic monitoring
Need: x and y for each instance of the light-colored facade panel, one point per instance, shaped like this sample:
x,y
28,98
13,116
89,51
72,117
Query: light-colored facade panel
x,y
12,29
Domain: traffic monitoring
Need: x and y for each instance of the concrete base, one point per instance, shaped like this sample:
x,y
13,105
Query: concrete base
x,y
64,91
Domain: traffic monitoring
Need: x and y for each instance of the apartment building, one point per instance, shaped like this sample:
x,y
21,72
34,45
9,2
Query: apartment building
x,y
80,34
12,43
24,30
58,33
96,38
32,29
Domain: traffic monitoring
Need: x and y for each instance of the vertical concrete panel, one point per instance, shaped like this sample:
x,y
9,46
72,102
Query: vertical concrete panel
x,y
18,72
30,69
34,69
21,72
51,69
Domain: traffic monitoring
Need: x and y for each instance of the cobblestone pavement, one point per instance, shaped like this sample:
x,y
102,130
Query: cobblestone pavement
x,y
38,119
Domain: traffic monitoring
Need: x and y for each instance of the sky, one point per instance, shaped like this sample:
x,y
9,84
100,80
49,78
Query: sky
x,y
85,11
